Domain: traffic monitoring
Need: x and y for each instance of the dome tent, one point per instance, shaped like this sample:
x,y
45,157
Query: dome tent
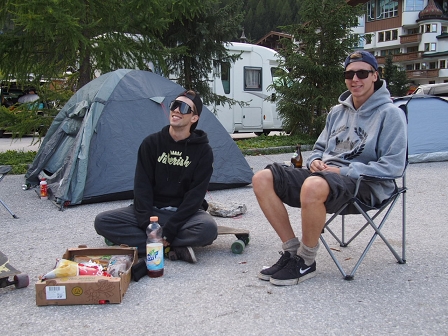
x,y
90,151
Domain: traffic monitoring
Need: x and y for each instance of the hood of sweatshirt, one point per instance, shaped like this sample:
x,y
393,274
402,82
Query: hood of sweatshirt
x,y
380,97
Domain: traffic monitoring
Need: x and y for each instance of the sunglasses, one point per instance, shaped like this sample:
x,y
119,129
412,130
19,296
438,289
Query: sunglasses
x,y
184,108
361,74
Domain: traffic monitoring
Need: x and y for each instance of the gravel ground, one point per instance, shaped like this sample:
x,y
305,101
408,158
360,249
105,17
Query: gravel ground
x,y
221,295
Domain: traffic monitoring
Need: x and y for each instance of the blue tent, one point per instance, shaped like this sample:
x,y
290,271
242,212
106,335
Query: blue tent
x,y
427,127
90,151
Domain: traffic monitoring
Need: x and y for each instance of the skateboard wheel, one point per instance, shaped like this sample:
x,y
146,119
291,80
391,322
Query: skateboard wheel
x,y
21,280
244,238
238,247
108,242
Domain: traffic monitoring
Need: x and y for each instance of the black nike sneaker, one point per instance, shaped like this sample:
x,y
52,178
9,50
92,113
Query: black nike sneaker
x,y
295,271
266,273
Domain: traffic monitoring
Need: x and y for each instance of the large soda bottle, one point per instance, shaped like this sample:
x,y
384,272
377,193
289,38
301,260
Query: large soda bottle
x,y
297,160
154,248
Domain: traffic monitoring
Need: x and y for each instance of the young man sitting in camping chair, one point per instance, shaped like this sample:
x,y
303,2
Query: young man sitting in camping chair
x,y
174,167
364,134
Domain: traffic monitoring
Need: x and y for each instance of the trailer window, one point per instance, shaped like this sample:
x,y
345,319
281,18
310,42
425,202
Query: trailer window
x,y
225,76
252,79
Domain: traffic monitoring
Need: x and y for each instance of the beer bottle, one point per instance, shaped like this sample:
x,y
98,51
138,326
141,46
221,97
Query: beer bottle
x,y
297,160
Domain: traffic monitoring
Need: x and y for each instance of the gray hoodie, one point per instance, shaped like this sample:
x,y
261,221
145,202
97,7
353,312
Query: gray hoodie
x,y
371,140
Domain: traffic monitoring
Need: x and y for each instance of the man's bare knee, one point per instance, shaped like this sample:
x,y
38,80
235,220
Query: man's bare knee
x,y
314,189
262,180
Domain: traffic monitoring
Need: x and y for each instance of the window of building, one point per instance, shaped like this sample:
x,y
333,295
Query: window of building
x,y
424,66
434,28
252,79
225,76
388,8
395,34
417,66
368,38
381,37
413,31
412,49
427,28
444,29
414,5
386,52
381,9
409,66
432,65
387,35
359,40
442,64
430,46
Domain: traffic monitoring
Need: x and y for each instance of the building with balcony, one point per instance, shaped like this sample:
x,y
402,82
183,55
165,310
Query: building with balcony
x,y
414,32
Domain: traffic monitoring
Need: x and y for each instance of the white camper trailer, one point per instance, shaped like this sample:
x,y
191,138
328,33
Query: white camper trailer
x,y
248,80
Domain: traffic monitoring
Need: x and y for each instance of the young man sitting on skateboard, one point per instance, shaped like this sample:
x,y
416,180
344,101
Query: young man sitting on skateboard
x,y
364,134
174,167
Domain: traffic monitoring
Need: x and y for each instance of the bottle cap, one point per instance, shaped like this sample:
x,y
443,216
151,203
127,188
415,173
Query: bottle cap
x,y
154,219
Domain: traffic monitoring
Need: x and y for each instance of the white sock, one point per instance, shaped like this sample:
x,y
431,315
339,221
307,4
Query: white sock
x,y
291,246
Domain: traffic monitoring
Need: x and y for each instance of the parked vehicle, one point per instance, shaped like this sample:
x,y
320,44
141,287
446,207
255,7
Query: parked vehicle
x,y
248,80
440,90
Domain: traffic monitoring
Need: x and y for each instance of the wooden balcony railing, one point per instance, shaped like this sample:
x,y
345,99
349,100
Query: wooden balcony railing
x,y
432,73
401,57
411,38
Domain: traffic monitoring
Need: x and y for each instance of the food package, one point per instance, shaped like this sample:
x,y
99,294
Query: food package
x,y
119,264
67,268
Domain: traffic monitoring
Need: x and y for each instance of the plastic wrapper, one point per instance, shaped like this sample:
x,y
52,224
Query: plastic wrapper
x,y
102,260
119,264
67,268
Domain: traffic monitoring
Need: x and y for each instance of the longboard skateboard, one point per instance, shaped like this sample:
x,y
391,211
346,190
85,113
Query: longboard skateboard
x,y
241,235
237,246
10,276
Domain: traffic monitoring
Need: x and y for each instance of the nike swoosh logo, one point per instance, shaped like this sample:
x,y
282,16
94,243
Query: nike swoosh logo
x,y
304,270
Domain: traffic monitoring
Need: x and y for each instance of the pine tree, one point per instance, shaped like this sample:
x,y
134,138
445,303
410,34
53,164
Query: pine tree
x,y
314,80
200,41
44,38
395,78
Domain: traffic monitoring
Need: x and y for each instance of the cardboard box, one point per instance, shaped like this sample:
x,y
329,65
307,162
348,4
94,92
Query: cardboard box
x,y
86,289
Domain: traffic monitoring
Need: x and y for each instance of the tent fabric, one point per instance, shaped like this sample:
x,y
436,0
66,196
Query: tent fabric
x,y
427,120
90,151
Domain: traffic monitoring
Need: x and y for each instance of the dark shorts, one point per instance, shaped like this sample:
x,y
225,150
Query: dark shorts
x,y
288,183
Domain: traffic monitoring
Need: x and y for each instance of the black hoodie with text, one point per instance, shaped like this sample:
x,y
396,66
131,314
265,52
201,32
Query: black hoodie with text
x,y
170,173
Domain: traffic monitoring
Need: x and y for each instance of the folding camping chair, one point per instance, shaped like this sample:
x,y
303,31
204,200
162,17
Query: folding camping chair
x,y
355,206
4,170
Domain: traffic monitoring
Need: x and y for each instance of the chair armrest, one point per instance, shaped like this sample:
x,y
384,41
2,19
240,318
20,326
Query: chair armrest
x,y
372,178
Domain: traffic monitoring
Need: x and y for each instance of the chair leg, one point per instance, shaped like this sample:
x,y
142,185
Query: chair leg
x,y
6,207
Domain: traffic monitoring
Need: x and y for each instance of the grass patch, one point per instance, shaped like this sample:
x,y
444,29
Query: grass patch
x,y
18,160
274,144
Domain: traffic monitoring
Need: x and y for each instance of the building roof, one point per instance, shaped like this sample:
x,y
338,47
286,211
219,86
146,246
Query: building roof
x,y
272,39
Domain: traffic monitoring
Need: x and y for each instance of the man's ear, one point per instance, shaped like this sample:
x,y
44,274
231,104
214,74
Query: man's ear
x,y
194,118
